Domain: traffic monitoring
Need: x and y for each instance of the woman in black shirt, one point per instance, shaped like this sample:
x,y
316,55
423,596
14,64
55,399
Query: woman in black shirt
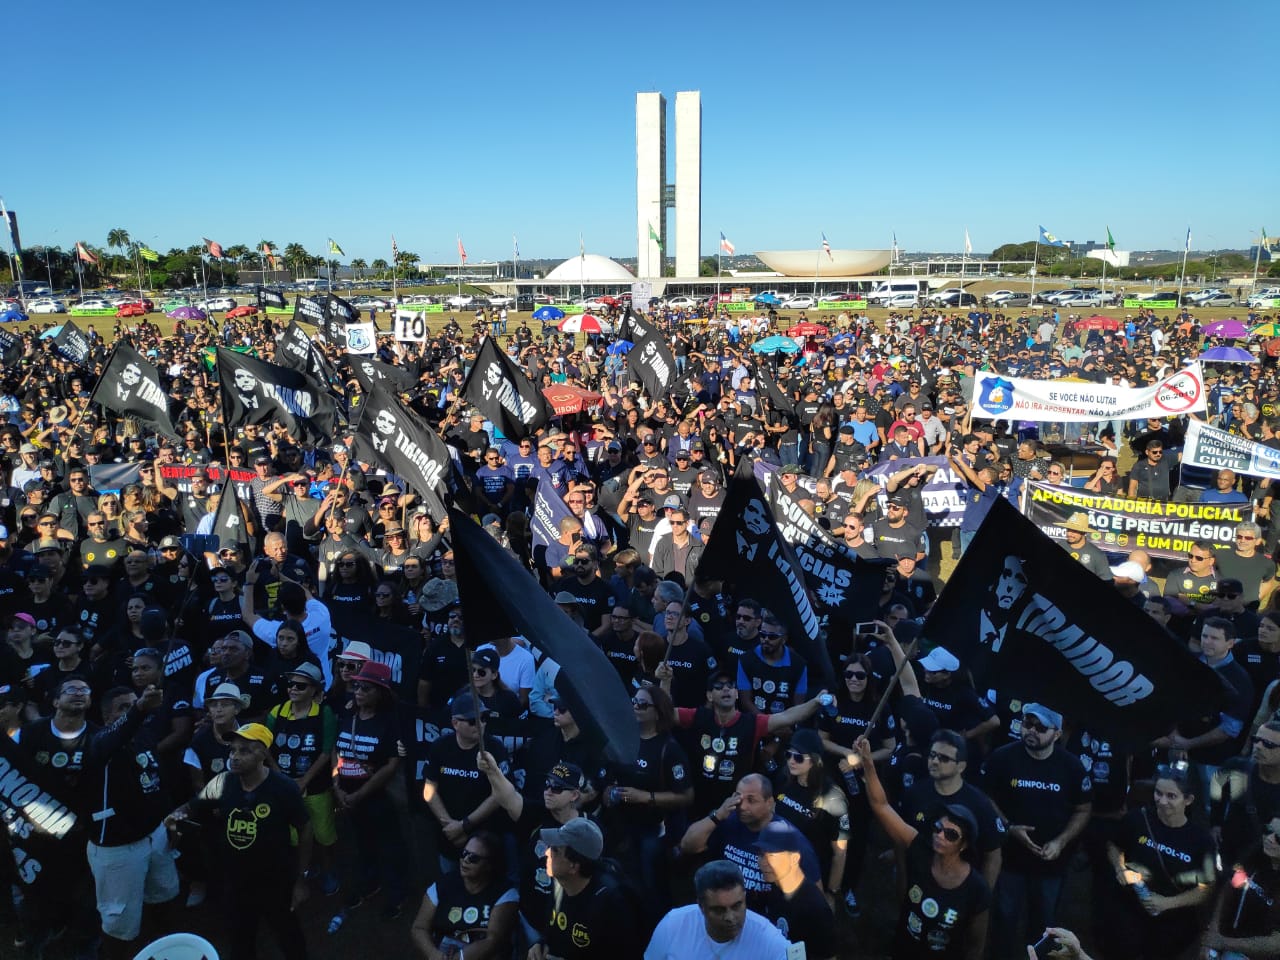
x,y
944,913
470,913
1246,919
819,809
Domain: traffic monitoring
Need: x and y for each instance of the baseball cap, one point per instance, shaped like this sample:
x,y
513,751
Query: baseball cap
x,y
899,499
672,502
487,657
1129,570
565,598
779,836
28,448
791,468
464,706
940,659
255,732
170,542
308,670
698,447
1050,718
25,618
567,775
580,835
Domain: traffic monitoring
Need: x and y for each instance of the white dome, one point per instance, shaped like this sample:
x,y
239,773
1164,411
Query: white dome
x,y
592,268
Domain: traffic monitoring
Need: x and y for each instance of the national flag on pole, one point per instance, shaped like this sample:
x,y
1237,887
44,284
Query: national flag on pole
x,y
653,235
395,251
1111,241
515,244
215,249
725,245
335,249
826,247
269,256
1188,247
462,251
582,247
1049,240
83,253
147,254
1265,239
968,244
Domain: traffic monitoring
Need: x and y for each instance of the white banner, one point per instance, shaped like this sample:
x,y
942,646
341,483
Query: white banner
x,y
410,326
1068,401
360,339
1216,449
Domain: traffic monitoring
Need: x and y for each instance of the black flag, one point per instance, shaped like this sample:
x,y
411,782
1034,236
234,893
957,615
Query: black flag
x,y
130,386
498,388
748,553
312,310
650,361
501,599
340,310
72,343
1030,621
11,348
254,391
842,583
395,438
37,808
777,399
231,523
270,298
368,371
296,350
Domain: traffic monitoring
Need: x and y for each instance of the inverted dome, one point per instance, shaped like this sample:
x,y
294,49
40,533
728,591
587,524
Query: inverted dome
x,y
840,263
592,268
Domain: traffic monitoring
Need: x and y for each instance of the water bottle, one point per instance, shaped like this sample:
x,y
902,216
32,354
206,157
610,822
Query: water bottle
x,y
1140,888
615,796
336,923
852,785
828,704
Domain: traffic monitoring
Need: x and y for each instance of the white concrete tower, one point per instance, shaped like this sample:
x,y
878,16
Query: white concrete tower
x,y
651,181
688,182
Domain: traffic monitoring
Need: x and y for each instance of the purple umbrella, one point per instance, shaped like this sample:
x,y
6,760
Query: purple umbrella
x,y
1228,355
1230,328
187,313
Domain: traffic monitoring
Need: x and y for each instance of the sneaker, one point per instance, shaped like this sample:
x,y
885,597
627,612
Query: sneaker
x,y
851,906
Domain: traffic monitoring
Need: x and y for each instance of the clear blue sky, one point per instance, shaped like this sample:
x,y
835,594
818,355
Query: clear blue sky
x,y
296,122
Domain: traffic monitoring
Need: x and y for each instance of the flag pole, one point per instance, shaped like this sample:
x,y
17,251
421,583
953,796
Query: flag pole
x,y
393,272
1257,260
1035,261
1182,278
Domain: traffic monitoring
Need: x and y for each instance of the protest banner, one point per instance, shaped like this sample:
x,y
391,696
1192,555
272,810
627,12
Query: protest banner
x,y
1216,449
178,476
944,493
1068,401
1118,525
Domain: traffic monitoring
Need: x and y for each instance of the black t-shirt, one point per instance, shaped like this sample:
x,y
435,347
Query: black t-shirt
x,y
691,663
1108,767
594,597
597,924
804,917
253,827
1039,793
446,667
459,782
922,805
1170,859
364,746
661,766
934,922
852,720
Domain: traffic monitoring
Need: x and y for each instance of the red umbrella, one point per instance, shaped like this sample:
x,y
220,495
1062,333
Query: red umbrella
x,y
808,329
566,399
1098,322
248,310
583,323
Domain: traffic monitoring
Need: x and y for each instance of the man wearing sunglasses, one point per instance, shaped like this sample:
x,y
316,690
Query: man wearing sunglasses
x,y
1046,796
459,799
1248,563
771,676
1246,793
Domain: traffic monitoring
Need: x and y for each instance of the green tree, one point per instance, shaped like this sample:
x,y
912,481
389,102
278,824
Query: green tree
x,y
707,267
380,266
408,261
118,239
358,265
296,258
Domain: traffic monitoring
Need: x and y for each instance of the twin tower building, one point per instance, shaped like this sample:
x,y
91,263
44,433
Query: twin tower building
x,y
654,196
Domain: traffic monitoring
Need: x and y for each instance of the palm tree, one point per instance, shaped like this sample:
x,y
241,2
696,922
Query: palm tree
x,y
358,265
408,261
117,239
236,252
379,265
296,258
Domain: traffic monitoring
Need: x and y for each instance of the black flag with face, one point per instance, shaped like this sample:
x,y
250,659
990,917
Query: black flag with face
x,y
749,554
296,350
368,371
72,343
130,386
395,438
502,599
844,585
1033,624
650,361
498,388
270,298
254,391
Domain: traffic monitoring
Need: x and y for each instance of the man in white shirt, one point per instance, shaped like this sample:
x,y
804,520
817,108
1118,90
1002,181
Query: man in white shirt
x,y
719,925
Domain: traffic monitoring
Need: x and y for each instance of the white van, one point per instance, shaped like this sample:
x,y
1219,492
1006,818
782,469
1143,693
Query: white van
x,y
892,288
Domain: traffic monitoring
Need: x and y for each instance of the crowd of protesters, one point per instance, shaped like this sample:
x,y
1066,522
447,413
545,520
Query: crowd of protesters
x,y
230,736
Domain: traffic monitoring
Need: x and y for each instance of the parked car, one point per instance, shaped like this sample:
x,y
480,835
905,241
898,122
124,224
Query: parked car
x,y
219,304
682,303
1264,298
902,301
525,301
131,310
459,300
46,305
998,297
1048,296
801,301
953,297
1015,300
502,301
1080,299
1217,300
1200,296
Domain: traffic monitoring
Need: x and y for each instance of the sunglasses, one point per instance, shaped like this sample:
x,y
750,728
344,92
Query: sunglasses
x,y
797,756
298,685
641,704
769,635
559,707
1031,723
551,787
358,686
466,856
855,674
950,833
1265,743
723,685
382,596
